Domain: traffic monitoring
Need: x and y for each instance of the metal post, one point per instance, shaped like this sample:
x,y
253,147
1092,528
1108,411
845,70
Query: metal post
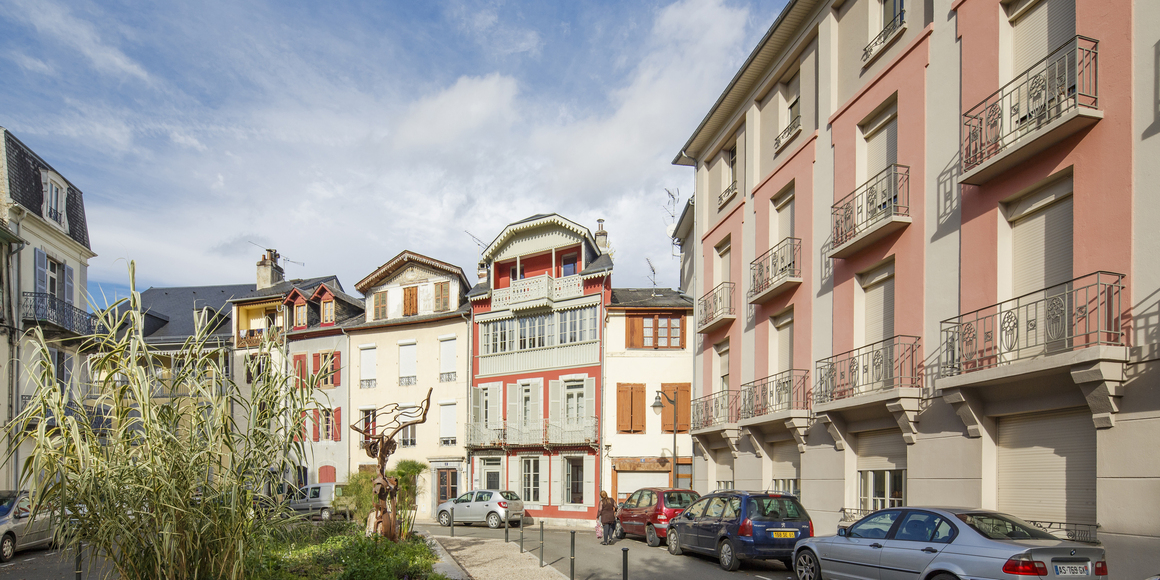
x,y
675,397
80,569
452,521
506,518
521,536
572,567
624,566
541,543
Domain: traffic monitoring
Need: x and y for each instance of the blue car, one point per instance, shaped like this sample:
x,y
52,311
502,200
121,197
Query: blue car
x,y
741,525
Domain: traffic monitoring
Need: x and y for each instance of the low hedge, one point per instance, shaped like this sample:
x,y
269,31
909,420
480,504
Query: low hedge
x,y
341,551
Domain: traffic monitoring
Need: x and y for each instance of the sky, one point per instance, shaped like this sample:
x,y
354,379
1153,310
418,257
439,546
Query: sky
x,y
342,133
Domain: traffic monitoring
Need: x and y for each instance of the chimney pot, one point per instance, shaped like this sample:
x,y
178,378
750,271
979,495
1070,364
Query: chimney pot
x,y
601,236
269,272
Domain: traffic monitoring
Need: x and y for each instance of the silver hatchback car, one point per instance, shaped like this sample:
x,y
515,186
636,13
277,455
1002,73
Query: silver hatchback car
x,y
18,529
485,505
944,544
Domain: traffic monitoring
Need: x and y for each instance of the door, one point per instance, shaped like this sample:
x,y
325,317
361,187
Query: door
x,y
447,483
856,555
628,512
484,501
685,522
919,538
22,522
1047,466
705,527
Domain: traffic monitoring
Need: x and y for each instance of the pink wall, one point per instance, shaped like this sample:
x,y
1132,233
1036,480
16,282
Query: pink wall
x,y
728,227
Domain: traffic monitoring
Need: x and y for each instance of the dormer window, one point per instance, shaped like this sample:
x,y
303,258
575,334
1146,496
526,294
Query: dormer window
x,y
55,198
328,312
299,315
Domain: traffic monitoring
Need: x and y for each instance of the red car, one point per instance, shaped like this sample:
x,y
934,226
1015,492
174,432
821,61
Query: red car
x,y
647,512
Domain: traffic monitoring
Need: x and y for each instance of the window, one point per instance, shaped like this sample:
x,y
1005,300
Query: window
x,y
55,287
891,10
924,527
367,368
878,304
369,417
55,195
410,301
574,403
447,424
328,312
658,330
326,426
300,315
722,351
792,99
574,479
531,473
578,325
568,267
407,436
447,360
875,526
681,393
327,365
408,363
882,488
517,274
630,408
380,300
442,296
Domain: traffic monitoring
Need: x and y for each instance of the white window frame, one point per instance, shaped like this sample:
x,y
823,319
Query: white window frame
x,y
531,483
867,499
50,180
569,483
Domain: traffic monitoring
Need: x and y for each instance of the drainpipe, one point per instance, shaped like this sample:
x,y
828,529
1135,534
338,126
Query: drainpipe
x,y
692,442
14,340
467,403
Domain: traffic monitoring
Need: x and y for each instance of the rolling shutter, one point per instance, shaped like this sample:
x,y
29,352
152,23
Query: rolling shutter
x,y
879,308
881,450
1044,27
786,460
447,425
1047,466
630,481
784,219
316,422
447,356
1043,248
367,363
408,359
784,327
882,144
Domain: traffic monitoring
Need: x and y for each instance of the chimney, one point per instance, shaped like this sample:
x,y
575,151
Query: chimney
x,y
269,272
481,271
601,236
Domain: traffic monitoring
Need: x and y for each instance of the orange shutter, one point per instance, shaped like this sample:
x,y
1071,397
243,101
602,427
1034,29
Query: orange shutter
x,y
316,422
337,424
317,363
410,301
326,474
638,409
336,366
669,390
623,408
683,400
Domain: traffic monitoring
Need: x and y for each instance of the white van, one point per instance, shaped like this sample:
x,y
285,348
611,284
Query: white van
x,y
318,500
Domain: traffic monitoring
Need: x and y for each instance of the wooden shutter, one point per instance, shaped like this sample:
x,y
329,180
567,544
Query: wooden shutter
x,y
316,422
326,474
623,408
684,400
1044,27
68,284
637,408
337,436
1047,466
300,370
41,260
881,450
317,363
1043,248
410,301
336,367
669,390
634,331
301,434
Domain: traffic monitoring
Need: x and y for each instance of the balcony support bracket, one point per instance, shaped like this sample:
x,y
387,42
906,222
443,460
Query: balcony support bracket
x,y
753,439
969,409
731,436
837,429
1102,383
797,427
703,444
905,412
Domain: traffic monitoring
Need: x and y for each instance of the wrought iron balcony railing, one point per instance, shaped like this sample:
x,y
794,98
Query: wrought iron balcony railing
x,y
1070,531
779,263
786,134
854,514
406,381
883,37
368,383
715,409
1066,79
447,377
715,305
884,196
889,364
44,307
784,391
482,435
556,431
1076,314
54,214
727,194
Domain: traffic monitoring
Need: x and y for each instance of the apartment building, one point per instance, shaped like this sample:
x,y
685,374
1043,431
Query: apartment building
x,y
537,382
914,244
413,339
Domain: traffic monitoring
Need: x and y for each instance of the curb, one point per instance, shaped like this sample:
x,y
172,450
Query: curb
x,y
447,564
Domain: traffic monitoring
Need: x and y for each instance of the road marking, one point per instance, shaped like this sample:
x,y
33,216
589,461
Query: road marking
x,y
763,577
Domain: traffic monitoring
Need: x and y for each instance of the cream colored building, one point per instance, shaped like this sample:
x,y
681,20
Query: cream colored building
x,y
414,338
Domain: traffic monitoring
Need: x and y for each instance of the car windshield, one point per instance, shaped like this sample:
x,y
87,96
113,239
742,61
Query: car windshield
x,y
1003,527
7,500
680,499
775,509
510,495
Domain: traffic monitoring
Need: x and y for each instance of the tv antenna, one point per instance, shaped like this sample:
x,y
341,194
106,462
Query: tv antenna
x,y
478,242
671,206
652,277
280,256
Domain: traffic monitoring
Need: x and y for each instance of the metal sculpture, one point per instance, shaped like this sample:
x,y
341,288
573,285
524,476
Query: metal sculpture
x,y
380,444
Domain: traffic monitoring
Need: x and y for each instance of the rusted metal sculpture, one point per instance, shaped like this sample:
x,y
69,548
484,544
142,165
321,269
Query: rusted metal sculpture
x,y
380,439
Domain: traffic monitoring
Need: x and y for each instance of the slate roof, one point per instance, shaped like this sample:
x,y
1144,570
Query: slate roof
x,y
283,288
480,289
644,298
25,186
463,309
174,308
598,266
350,320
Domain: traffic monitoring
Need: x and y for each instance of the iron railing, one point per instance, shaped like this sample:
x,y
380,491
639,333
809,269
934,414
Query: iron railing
x,y
482,435
854,514
1070,531
716,304
368,383
883,37
715,409
786,134
447,377
884,196
727,194
889,364
784,391
55,215
580,431
405,381
1076,314
780,262
539,433
1064,80
44,307
446,441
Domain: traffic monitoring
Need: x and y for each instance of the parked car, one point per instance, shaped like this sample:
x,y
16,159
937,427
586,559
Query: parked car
x,y
21,531
647,512
741,525
943,544
319,499
484,505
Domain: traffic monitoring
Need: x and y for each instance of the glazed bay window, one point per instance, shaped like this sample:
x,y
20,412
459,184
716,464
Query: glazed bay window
x,y
530,332
531,479
881,488
577,325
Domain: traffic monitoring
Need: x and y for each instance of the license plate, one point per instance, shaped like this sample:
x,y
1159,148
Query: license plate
x,y
1071,570
785,534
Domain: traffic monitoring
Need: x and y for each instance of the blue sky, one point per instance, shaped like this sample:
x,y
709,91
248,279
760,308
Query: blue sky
x,y
342,133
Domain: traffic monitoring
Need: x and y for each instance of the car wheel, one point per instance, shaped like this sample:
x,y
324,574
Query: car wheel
x,y
650,536
7,547
674,543
807,567
618,533
325,514
444,519
494,521
727,556
945,576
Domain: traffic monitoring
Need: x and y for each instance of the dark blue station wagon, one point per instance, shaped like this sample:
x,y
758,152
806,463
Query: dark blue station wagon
x,y
741,525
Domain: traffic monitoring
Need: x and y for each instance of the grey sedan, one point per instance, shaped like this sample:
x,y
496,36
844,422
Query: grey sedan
x,y
18,529
944,544
485,505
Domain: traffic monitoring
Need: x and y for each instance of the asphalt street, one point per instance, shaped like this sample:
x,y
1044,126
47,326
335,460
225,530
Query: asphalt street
x,y
594,561
46,564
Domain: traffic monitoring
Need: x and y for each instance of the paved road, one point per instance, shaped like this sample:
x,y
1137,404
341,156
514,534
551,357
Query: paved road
x,y
45,564
594,561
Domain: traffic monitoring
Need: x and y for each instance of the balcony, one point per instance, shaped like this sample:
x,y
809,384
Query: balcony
x,y
253,337
408,381
727,194
890,32
715,411
447,377
544,433
881,367
776,394
569,355
776,271
1077,322
536,292
1054,99
480,436
878,208
46,308
787,134
368,383
715,309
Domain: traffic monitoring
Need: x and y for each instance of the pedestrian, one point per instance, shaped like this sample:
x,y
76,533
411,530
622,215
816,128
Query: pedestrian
x,y
606,515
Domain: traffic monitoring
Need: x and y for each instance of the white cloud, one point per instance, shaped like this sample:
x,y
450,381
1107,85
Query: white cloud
x,y
31,64
57,21
481,20
459,114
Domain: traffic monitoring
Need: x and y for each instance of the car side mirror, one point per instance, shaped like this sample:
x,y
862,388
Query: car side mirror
x,y
687,515
843,532
620,505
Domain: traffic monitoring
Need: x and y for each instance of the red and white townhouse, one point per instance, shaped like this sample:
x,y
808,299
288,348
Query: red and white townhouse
x,y
537,382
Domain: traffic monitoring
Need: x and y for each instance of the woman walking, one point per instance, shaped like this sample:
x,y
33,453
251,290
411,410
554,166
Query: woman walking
x,y
606,515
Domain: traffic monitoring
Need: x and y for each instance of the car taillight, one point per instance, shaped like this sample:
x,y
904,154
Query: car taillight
x,y
502,504
662,517
1101,568
811,529
746,528
1023,565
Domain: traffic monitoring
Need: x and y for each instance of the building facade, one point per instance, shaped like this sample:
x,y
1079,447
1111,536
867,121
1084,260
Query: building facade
x,y
413,339
537,380
914,244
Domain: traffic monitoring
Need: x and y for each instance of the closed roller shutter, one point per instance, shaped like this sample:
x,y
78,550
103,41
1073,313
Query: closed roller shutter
x,y
881,146
880,311
1047,466
785,345
1043,248
785,219
881,450
630,481
1042,28
786,460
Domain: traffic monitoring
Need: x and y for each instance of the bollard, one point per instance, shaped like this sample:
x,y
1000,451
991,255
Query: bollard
x,y
572,566
79,567
624,566
452,521
541,543
505,527
521,536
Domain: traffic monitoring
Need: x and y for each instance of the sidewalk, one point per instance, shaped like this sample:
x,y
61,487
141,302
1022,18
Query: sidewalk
x,y
486,559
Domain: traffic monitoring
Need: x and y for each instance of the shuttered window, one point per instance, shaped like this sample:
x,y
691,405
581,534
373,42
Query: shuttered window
x,y
300,370
881,143
881,450
1043,248
784,328
630,405
784,207
1038,30
447,356
879,305
682,392
442,296
381,305
1047,466
655,330
792,98
447,424
408,363
367,362
410,301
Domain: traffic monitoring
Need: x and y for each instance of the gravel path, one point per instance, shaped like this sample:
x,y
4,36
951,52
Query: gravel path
x,y
496,560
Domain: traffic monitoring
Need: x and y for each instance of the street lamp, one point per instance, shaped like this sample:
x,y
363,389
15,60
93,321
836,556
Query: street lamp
x,y
657,404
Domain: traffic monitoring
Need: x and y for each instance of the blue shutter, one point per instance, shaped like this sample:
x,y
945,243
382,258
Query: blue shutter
x,y
41,270
68,284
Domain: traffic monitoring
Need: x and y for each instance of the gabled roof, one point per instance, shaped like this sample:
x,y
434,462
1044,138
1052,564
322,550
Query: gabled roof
x,y
282,288
464,310
600,266
649,298
174,309
401,260
536,221
311,294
